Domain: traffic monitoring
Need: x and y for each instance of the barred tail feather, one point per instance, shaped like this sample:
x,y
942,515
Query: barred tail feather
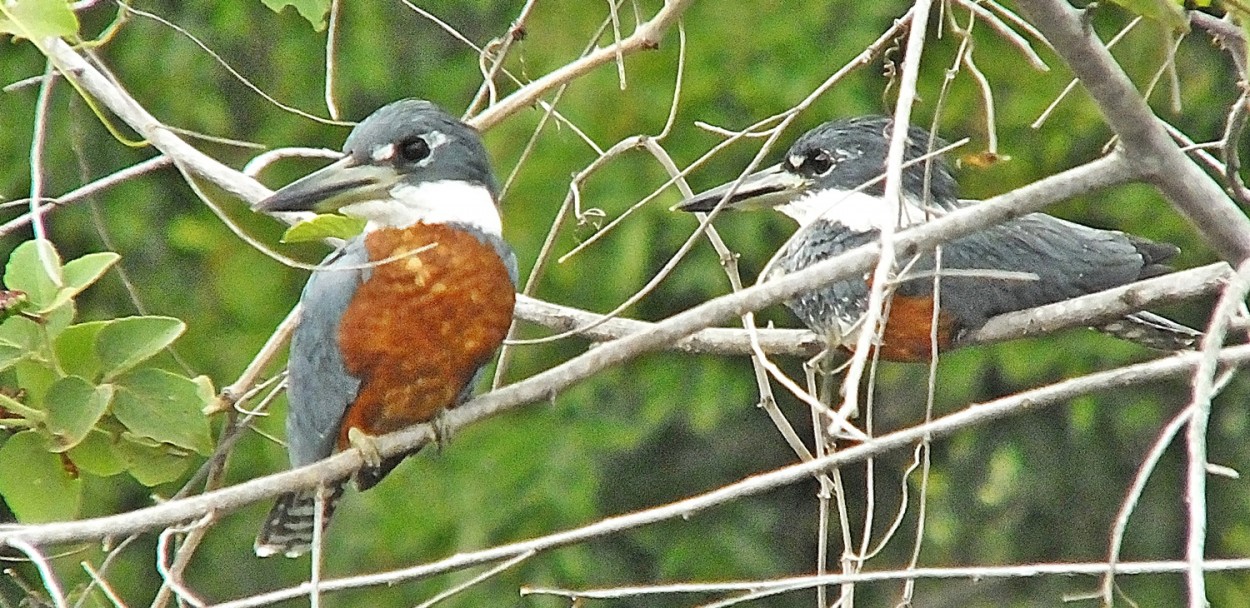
x,y
288,528
1153,331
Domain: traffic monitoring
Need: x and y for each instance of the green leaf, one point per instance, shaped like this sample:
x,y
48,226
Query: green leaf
x,y
325,226
39,275
75,349
20,333
97,454
164,407
37,19
80,274
35,377
74,406
314,11
10,354
34,481
1167,12
56,320
127,342
151,465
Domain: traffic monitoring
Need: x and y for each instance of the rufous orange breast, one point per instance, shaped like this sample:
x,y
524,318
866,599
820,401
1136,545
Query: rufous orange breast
x,y
422,324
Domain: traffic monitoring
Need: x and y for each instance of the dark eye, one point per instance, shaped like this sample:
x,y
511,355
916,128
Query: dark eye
x,y
817,162
413,150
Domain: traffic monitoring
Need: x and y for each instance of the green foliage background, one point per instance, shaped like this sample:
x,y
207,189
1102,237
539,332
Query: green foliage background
x,y
1041,487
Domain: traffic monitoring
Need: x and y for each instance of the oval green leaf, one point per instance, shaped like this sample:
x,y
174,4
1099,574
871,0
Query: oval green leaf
x,y
34,481
164,407
151,465
74,406
127,342
97,454
35,268
75,349
325,226
38,19
313,11
80,274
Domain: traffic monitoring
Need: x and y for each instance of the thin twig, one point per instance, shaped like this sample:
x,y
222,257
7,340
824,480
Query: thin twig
x,y
766,588
53,586
1203,383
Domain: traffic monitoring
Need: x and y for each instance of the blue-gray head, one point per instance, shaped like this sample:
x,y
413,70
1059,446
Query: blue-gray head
x,y
408,162
835,172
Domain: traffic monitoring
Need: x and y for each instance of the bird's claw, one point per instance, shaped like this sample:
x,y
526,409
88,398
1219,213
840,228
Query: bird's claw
x,y
442,430
367,445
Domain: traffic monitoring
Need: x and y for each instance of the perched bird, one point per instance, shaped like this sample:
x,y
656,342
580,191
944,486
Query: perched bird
x,y
398,324
831,182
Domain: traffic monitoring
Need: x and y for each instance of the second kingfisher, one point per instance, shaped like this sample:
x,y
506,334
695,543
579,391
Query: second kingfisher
x,y
831,182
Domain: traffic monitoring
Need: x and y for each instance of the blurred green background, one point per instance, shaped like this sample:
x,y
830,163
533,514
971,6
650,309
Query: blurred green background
x,y
1039,487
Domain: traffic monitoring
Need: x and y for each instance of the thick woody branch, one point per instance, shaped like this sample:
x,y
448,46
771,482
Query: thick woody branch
x,y
713,341
116,99
975,415
1085,311
1146,143
545,385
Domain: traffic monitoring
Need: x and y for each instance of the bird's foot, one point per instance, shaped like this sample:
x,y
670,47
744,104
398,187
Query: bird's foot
x,y
367,445
442,430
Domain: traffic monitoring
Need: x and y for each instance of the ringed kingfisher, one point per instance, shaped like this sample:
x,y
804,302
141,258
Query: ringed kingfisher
x,y
831,183
398,324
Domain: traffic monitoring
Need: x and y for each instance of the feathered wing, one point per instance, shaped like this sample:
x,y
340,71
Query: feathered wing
x,y
320,389
1039,259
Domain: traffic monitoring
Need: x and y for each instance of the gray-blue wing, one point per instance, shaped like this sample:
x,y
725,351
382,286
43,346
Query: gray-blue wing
x,y
1067,259
319,387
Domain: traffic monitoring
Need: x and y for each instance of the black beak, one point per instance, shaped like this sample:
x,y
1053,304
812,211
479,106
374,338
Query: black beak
x,y
342,183
763,189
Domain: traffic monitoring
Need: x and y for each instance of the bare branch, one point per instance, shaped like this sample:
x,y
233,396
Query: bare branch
x,y
764,588
543,386
86,191
1149,149
1102,306
646,37
1060,392
111,93
1203,382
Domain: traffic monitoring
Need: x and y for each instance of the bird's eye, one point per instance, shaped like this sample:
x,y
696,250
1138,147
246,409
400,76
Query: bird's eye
x,y
413,150
818,163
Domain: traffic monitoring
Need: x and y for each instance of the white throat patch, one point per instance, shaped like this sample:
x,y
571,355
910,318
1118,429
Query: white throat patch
x,y
858,211
439,202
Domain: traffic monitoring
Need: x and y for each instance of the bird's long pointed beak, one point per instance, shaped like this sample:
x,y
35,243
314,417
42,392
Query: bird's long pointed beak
x,y
326,190
765,188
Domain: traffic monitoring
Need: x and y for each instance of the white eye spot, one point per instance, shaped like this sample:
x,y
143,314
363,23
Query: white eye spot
x,y
795,161
383,153
436,139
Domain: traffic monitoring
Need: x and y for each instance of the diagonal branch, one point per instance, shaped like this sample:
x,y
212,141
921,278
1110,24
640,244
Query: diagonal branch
x,y
114,96
1085,311
1145,141
545,385
974,415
